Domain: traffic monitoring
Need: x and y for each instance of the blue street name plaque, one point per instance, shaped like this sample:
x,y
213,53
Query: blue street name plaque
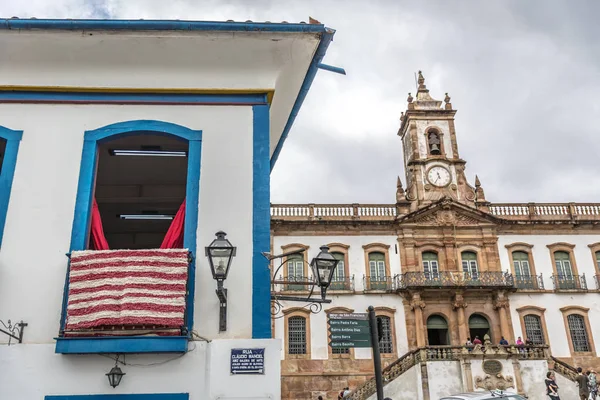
x,y
247,361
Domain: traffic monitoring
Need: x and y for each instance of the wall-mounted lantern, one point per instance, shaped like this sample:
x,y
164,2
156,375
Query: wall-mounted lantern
x,y
323,266
220,253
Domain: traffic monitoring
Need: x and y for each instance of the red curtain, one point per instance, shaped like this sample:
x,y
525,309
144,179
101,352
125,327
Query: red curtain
x,y
97,239
174,236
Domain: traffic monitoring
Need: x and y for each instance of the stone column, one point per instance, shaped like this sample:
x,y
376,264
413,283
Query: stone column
x,y
467,374
417,305
501,304
463,329
518,378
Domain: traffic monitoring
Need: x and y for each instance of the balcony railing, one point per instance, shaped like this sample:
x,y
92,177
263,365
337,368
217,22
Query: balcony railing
x,y
345,283
597,281
529,282
378,283
388,212
572,282
410,280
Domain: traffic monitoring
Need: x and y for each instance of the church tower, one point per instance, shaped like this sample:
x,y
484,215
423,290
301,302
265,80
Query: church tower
x,y
434,169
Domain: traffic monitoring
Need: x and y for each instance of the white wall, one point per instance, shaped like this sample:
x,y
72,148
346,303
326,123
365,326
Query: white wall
x,y
40,214
549,300
358,302
444,379
405,387
533,374
30,372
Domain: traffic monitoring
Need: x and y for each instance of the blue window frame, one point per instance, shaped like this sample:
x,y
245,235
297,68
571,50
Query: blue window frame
x,y
81,224
11,140
148,396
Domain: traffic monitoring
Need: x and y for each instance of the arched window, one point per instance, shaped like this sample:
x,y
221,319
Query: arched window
x,y
434,143
437,331
533,328
386,345
521,263
563,265
377,270
479,326
296,335
295,271
469,264
597,254
579,334
338,281
430,265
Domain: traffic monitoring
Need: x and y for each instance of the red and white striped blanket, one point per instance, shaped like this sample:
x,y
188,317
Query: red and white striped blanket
x,y
124,288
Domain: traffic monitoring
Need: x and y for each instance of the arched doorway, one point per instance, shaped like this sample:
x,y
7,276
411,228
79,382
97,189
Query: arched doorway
x,y
437,331
479,326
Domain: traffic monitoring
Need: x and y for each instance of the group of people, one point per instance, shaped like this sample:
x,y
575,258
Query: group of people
x,y
587,382
344,394
503,342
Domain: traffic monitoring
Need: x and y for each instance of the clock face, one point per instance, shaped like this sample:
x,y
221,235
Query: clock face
x,y
438,176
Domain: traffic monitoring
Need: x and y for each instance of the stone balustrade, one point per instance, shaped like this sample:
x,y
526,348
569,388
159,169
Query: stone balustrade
x,y
455,353
389,212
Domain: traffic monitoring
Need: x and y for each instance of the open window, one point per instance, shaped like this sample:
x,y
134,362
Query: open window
x,y
138,180
140,186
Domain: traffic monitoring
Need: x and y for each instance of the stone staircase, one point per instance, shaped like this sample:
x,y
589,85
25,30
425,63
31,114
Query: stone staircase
x,y
566,370
457,353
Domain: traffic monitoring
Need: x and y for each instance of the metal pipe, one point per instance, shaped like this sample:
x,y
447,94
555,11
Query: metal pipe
x,y
337,70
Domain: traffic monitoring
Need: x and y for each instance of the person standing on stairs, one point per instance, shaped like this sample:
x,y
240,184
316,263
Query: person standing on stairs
x,y
583,382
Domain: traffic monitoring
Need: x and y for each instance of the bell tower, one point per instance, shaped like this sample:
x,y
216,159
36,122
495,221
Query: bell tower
x,y
434,169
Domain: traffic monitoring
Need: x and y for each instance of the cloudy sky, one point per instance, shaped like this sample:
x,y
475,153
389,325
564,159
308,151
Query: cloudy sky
x,y
524,76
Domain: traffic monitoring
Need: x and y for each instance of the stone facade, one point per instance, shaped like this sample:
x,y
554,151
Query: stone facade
x,y
456,265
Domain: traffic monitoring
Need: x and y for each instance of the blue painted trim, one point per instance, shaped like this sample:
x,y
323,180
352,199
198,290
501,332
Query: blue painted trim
x,y
125,344
137,396
191,214
337,70
9,164
308,80
160,98
85,191
261,225
157,25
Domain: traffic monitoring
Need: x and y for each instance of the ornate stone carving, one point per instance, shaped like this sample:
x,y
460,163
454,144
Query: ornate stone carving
x,y
493,382
400,196
446,218
417,303
492,367
501,303
459,302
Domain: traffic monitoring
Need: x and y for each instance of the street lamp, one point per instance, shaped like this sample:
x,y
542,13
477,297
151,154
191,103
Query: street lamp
x,y
220,253
323,266
114,376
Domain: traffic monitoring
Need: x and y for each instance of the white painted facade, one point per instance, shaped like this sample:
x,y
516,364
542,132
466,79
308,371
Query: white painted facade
x,y
552,301
40,214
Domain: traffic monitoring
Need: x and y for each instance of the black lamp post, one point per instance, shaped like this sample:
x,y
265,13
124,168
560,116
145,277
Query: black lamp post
x,y
220,253
323,266
114,376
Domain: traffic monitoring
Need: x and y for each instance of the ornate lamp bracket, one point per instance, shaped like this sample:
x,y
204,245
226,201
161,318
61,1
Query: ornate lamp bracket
x,y
314,305
13,331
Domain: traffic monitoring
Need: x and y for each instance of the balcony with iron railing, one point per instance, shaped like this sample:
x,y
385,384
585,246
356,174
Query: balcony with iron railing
x,y
378,283
444,279
569,282
597,281
529,282
306,283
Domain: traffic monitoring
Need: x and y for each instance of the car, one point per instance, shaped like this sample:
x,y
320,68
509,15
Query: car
x,y
492,395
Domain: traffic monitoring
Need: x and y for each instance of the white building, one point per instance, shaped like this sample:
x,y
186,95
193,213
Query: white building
x,y
440,265
81,103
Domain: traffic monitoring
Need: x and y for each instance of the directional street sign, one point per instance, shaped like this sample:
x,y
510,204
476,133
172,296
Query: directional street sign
x,y
349,330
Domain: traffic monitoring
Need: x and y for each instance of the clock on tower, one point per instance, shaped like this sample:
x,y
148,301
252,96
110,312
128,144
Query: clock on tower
x,y
432,164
